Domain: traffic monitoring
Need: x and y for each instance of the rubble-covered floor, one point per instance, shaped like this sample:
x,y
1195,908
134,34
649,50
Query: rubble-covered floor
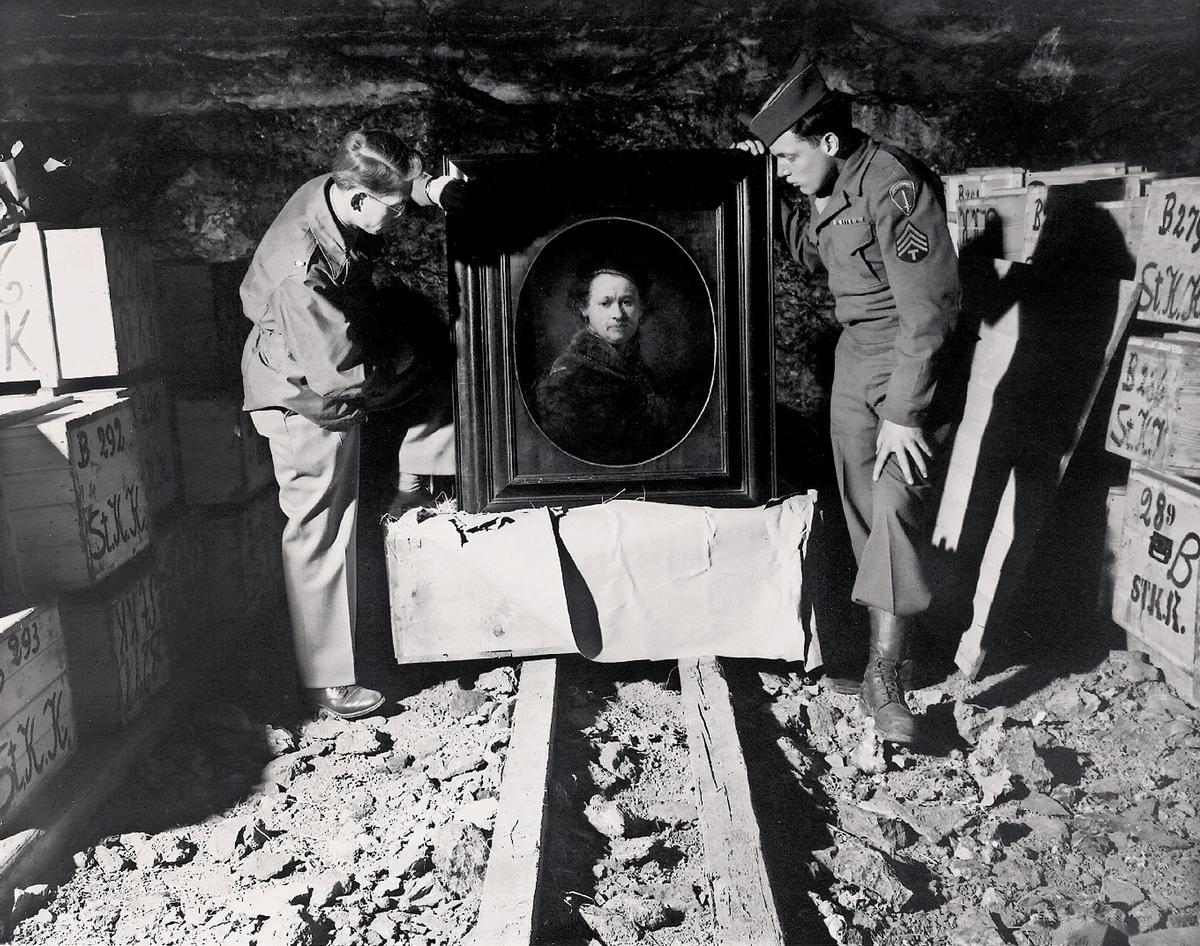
x,y
1048,798
255,823
1050,795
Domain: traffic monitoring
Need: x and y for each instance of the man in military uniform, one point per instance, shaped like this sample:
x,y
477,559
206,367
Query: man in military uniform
x,y
312,368
876,223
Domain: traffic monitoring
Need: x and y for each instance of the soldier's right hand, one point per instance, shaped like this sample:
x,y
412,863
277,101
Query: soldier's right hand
x,y
752,145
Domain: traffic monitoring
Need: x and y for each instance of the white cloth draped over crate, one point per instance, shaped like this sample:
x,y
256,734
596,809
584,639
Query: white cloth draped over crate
x,y
619,581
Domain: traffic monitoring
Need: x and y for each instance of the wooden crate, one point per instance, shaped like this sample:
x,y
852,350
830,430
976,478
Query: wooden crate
x,y
118,647
73,494
222,457
77,303
32,656
204,311
1085,172
12,583
978,182
1169,262
37,728
153,437
1155,416
172,556
13,410
105,301
994,224
1129,217
28,336
1114,521
222,565
1065,226
1158,574
261,555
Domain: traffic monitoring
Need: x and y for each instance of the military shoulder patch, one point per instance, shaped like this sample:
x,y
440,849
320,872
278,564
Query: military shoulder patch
x,y
912,245
904,196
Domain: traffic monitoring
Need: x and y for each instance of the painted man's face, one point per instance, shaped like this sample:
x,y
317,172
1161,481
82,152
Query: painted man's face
x,y
614,308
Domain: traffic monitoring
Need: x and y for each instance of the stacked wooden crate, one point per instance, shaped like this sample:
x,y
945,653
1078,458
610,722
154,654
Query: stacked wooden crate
x,y
37,722
970,185
222,547
1085,219
997,219
1155,423
77,304
73,495
83,474
137,514
72,517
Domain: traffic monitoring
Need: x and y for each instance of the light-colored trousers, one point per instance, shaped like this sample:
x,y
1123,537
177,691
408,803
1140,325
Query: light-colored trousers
x,y
317,471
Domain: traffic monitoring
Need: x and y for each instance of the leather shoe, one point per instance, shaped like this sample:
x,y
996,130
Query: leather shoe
x,y
344,702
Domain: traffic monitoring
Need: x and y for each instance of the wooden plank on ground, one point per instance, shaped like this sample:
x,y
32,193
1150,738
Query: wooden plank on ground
x,y
742,897
510,889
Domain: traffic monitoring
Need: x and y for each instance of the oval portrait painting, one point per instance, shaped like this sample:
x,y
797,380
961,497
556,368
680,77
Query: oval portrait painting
x,y
615,341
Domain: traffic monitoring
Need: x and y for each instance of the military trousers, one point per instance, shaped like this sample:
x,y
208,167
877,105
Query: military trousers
x,y
890,521
317,471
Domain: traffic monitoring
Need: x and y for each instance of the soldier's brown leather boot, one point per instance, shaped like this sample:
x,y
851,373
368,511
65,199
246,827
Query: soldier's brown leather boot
x,y
882,693
848,681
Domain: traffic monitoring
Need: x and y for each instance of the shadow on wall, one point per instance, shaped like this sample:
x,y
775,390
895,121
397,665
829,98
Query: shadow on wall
x,y
1037,339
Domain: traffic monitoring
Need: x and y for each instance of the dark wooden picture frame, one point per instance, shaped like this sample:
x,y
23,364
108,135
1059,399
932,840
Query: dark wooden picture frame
x,y
696,226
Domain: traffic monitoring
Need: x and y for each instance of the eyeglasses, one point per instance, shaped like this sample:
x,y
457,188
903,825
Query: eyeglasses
x,y
394,211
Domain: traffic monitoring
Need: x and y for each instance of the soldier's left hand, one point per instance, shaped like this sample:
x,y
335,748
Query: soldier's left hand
x,y
752,145
453,196
908,444
449,193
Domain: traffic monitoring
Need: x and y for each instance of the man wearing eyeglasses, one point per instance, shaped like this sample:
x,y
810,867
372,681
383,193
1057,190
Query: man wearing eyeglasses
x,y
313,367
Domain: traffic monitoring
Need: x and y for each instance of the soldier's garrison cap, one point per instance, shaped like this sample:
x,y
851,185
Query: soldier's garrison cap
x,y
800,92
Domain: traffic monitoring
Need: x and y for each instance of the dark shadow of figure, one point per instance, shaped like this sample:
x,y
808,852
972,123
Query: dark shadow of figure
x,y
785,763
567,879
805,461
407,341
1065,318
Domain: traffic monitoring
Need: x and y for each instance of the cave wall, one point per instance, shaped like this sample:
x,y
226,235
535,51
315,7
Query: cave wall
x,y
196,119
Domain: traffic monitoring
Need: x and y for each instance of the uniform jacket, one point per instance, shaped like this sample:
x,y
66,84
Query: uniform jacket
x,y
310,297
599,403
893,272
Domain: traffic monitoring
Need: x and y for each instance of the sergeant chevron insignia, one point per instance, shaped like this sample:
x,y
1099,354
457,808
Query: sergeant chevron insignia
x,y
912,245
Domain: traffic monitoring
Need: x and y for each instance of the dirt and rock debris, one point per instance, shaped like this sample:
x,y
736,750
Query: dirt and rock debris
x,y
1050,805
1041,810
319,832
623,799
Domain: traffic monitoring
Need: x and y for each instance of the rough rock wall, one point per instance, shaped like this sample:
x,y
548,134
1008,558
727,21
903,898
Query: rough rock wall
x,y
196,119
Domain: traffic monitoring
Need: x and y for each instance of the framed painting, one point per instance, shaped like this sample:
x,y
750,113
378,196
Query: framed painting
x,y
614,325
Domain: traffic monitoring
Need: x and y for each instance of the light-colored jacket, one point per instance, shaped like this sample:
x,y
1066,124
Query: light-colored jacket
x,y
304,292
